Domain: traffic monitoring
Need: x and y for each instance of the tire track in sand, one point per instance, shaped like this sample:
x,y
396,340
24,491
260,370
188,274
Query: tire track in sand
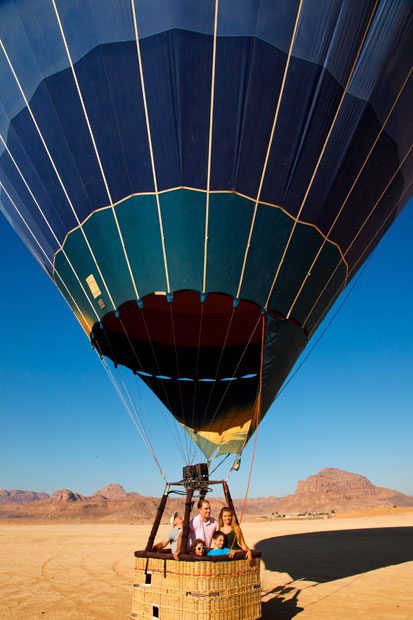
x,y
128,577
98,576
49,579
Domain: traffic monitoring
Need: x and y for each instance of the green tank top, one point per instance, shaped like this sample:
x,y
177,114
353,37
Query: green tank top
x,y
230,539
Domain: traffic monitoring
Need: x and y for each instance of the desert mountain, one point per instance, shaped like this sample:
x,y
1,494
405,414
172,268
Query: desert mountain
x,y
66,496
329,490
339,490
21,497
115,492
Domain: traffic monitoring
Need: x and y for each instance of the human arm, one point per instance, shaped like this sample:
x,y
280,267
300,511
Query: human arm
x,y
161,545
178,548
243,545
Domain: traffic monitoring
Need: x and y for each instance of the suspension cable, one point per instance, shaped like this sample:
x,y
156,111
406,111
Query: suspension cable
x,y
356,236
233,374
211,119
132,417
177,370
304,201
378,231
326,238
269,146
327,326
217,369
195,446
147,442
157,366
257,418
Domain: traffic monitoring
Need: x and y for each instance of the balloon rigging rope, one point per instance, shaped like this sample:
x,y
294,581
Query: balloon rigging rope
x,y
211,122
340,306
196,381
326,238
217,369
148,131
206,238
95,148
327,326
264,170
176,437
141,430
236,368
135,418
49,227
211,119
305,358
342,286
142,403
53,164
137,380
143,433
178,373
257,417
54,270
378,231
321,153
174,429
356,236
219,464
294,373
134,409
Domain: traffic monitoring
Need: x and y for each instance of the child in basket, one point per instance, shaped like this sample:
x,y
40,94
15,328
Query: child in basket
x,y
219,542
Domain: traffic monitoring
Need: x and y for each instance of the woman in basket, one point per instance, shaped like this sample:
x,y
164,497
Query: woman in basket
x,y
235,539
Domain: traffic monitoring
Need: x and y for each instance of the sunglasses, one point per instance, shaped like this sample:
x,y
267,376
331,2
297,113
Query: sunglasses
x,y
199,548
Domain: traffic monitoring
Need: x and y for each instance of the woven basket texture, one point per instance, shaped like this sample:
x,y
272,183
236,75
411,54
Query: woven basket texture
x,y
179,590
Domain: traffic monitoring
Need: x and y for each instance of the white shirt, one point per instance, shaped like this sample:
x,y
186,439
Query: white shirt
x,y
198,528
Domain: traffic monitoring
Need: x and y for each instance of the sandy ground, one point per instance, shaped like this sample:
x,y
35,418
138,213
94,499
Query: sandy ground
x,y
358,568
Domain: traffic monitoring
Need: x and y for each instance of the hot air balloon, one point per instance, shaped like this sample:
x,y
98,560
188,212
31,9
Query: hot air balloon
x,y
202,180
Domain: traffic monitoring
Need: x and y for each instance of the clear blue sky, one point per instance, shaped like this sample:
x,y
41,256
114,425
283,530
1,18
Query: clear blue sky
x,y
350,406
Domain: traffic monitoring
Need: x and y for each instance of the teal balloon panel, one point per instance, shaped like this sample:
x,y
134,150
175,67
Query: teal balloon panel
x,y
183,169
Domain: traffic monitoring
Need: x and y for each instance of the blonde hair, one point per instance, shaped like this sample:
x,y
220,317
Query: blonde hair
x,y
220,520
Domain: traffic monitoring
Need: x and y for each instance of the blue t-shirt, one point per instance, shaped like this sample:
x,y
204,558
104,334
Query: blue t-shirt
x,y
223,551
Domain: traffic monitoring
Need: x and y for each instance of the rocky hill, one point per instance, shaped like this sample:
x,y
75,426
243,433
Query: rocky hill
x,y
21,497
115,492
339,490
329,490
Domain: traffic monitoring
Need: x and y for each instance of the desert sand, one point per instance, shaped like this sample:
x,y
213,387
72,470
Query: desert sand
x,y
358,568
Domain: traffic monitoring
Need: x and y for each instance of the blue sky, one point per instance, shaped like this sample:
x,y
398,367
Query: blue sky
x,y
350,405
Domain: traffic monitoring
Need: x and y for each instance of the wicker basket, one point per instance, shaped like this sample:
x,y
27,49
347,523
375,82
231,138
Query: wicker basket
x,y
201,589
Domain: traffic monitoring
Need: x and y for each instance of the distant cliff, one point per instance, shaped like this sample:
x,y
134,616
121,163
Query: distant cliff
x,y
21,497
339,490
331,490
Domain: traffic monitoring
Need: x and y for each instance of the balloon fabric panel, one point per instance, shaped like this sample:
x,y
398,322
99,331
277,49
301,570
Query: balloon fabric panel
x,y
249,172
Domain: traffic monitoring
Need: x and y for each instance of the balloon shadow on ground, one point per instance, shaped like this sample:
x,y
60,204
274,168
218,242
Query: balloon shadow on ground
x,y
327,556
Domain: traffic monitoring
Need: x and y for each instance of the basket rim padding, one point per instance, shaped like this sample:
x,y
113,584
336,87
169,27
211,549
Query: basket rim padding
x,y
186,557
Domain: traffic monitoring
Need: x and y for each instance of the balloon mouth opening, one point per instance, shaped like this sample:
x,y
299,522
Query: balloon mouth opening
x,y
198,336
200,355
183,336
